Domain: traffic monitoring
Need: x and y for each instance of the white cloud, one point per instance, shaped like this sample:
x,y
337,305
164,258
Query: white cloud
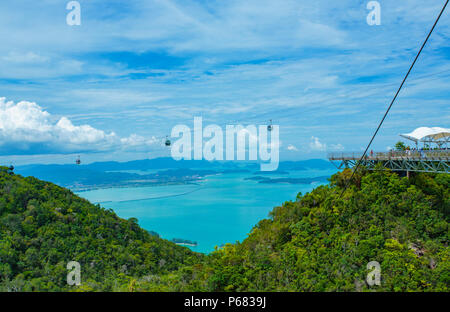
x,y
301,63
29,57
336,147
292,148
25,128
135,141
316,145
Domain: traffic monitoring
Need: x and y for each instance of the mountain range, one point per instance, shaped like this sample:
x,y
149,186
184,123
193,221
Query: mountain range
x,y
155,171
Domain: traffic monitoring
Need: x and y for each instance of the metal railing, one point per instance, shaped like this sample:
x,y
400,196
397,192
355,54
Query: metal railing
x,y
408,154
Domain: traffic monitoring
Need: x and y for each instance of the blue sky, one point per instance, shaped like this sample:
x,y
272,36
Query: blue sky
x,y
111,87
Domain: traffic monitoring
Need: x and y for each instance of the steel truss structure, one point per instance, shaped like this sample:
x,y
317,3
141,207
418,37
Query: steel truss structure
x,y
437,161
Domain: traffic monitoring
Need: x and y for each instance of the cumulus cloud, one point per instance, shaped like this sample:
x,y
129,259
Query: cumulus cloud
x,y
136,142
303,63
336,147
25,128
292,148
316,145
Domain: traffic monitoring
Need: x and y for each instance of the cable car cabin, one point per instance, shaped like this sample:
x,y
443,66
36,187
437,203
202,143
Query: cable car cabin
x,y
78,161
11,169
167,143
270,127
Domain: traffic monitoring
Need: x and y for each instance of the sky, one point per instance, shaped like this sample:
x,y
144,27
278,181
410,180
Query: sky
x,y
113,87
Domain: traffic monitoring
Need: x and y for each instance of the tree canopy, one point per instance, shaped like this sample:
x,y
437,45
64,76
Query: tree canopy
x,y
43,227
319,242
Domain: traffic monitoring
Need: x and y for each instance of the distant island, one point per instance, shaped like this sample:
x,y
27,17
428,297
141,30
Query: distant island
x,y
164,171
178,241
79,178
271,172
267,180
184,242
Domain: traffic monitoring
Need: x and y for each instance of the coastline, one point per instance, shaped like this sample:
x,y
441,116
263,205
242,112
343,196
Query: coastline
x,y
186,244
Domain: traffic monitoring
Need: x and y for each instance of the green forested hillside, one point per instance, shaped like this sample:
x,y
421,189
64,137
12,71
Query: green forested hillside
x,y
320,242
44,226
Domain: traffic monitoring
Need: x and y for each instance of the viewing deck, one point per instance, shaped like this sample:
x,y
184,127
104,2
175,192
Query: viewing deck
x,y
437,161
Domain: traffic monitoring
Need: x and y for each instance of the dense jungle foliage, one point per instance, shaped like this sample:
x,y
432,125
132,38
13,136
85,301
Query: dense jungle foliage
x,y
320,242
43,227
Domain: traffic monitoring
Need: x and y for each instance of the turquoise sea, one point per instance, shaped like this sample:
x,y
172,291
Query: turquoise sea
x,y
220,209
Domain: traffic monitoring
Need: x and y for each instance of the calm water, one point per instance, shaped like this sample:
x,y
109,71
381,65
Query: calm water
x,y
221,209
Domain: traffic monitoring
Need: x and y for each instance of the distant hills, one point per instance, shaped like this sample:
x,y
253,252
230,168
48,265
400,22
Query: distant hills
x,y
83,178
155,171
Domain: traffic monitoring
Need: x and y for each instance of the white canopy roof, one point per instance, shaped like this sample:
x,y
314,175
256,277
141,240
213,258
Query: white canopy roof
x,y
428,134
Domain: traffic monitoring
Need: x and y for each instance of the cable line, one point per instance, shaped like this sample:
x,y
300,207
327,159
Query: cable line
x,y
393,100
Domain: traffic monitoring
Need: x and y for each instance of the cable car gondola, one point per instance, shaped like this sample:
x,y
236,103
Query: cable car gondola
x,y
270,127
78,161
168,143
